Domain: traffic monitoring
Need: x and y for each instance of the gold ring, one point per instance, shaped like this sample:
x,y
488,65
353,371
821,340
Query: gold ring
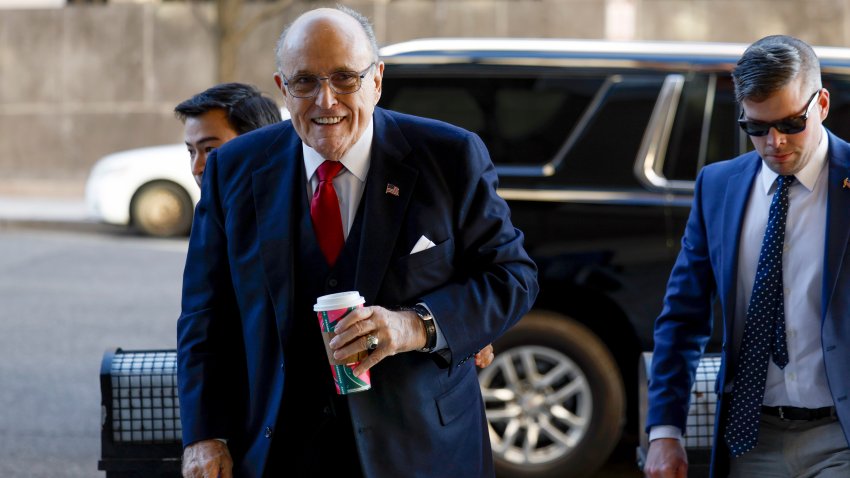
x,y
371,342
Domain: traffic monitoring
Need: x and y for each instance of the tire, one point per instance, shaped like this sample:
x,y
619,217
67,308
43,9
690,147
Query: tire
x,y
162,209
554,399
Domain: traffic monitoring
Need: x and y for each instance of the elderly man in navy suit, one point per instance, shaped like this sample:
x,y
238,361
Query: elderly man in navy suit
x,y
767,236
343,197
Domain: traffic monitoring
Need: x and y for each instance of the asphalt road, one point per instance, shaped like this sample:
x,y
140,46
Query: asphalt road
x,y
65,298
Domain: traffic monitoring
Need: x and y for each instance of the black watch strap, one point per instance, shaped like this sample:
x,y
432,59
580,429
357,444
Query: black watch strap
x,y
430,327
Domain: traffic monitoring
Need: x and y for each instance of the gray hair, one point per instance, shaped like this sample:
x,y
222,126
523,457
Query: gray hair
x,y
773,62
361,19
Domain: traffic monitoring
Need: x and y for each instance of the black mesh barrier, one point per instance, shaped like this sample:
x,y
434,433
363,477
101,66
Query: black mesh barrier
x,y
699,431
140,434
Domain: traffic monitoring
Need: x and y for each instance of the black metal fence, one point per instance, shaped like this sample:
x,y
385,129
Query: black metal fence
x,y
699,431
140,434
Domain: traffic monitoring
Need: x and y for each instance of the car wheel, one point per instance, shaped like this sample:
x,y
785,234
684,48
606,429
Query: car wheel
x,y
554,399
162,209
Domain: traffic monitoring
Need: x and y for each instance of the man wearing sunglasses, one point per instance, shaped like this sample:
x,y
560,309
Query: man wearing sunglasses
x,y
345,196
768,238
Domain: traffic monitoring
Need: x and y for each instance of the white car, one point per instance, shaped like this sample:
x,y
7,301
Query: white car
x,y
150,189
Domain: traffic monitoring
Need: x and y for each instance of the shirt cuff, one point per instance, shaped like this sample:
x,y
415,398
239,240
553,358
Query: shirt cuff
x,y
665,431
441,340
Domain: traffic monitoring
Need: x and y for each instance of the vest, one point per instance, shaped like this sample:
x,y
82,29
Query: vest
x,y
311,411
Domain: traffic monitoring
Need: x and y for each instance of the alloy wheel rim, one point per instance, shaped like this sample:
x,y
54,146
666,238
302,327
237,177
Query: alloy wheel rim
x,y
538,403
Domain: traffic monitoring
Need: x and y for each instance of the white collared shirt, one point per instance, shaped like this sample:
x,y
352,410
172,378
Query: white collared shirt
x,y
350,182
802,383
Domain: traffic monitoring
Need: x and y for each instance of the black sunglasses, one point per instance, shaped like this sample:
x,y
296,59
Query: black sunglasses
x,y
792,125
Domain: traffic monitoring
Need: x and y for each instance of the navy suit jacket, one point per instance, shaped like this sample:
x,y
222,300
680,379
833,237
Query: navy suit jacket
x,y
419,419
706,269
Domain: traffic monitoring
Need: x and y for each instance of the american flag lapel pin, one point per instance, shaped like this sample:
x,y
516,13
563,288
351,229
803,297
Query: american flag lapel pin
x,y
392,189
846,183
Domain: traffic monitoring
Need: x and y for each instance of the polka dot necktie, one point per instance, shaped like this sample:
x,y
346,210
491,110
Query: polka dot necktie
x,y
764,331
324,211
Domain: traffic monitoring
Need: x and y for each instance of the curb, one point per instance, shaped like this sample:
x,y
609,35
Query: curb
x,y
63,225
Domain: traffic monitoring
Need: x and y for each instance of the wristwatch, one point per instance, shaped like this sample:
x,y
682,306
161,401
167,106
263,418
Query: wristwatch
x,y
428,322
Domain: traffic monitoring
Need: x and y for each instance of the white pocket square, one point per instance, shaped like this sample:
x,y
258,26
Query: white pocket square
x,y
422,244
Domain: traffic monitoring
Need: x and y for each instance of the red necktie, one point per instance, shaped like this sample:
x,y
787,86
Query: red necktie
x,y
324,210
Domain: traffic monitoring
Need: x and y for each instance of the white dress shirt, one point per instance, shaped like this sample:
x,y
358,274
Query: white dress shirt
x,y
803,381
351,180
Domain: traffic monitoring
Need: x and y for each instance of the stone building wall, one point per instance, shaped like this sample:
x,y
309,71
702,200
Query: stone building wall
x,y
85,80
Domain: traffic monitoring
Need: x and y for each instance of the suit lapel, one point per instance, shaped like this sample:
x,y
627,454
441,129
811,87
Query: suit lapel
x,y
837,217
389,188
734,204
274,188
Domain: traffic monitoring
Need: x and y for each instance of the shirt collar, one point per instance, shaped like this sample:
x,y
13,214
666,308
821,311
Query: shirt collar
x,y
356,159
808,175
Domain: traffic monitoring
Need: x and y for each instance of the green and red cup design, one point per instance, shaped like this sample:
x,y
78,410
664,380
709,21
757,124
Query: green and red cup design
x,y
330,309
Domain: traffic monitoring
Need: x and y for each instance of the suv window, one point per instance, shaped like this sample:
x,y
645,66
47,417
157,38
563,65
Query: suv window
x,y
537,122
523,119
838,120
704,130
545,126
606,148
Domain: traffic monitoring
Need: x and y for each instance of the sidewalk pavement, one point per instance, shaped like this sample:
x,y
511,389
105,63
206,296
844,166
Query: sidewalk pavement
x,y
42,209
47,213
45,204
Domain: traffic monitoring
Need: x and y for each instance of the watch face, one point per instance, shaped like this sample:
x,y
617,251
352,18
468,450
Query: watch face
x,y
422,312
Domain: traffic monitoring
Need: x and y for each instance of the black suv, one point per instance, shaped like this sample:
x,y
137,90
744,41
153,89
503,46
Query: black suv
x,y
597,145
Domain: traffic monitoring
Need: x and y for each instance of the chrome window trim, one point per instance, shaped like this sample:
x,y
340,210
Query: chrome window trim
x,y
649,162
707,113
636,198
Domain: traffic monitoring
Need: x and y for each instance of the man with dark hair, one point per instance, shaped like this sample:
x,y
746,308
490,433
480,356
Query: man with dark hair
x,y
767,236
219,114
345,196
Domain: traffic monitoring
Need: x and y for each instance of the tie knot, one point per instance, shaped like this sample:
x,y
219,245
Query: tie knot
x,y
328,170
784,181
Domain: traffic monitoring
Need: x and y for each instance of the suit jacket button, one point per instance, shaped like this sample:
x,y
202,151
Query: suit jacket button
x,y
268,432
332,282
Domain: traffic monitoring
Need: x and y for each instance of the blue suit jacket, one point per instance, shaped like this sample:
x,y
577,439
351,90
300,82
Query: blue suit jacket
x,y
706,270
419,419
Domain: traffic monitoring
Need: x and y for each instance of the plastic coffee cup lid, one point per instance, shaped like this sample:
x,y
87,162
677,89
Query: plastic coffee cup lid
x,y
340,300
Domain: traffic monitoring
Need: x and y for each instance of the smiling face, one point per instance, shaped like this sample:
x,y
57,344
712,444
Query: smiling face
x,y
787,154
320,43
203,134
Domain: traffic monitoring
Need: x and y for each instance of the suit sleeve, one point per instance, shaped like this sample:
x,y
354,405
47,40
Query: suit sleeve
x,y
496,281
208,333
684,325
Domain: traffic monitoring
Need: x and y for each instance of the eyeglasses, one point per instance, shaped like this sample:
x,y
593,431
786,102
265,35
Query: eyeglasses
x,y
341,83
791,125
